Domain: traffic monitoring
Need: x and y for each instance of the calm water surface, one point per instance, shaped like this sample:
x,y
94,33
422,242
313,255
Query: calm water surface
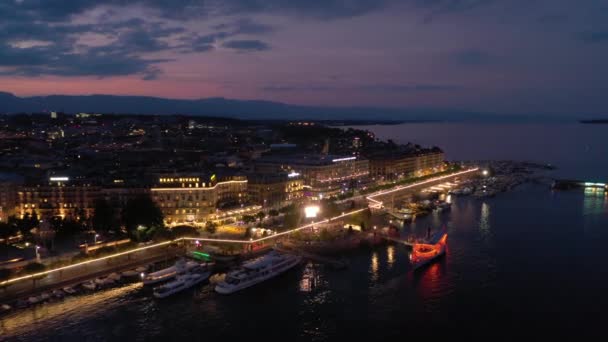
x,y
528,259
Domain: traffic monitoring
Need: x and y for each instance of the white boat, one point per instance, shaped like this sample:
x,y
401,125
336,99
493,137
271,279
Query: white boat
x,y
101,281
114,276
69,290
5,308
180,267
181,282
256,271
45,296
131,273
34,300
58,293
142,269
89,285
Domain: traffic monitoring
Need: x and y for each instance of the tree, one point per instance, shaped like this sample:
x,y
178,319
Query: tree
x,y
34,267
248,218
5,273
260,215
188,231
273,213
292,219
324,235
248,233
210,227
103,216
329,208
142,217
7,230
67,226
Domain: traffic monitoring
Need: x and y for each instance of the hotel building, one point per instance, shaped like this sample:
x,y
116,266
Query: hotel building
x,y
192,198
323,175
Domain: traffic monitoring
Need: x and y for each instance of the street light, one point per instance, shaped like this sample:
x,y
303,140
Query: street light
x,y
95,240
485,172
37,253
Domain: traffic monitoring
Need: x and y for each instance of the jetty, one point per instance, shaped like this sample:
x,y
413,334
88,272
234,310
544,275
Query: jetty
x,y
564,184
333,262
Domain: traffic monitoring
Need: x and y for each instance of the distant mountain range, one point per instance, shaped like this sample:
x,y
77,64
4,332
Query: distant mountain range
x,y
241,109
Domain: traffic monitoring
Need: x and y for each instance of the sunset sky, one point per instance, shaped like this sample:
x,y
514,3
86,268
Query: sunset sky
x,y
510,56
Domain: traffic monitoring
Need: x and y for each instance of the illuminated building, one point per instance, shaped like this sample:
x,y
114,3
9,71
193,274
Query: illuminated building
x,y
7,198
275,189
391,166
59,197
323,175
191,198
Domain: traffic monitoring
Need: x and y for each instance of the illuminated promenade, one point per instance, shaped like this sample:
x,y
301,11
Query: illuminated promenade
x,y
21,286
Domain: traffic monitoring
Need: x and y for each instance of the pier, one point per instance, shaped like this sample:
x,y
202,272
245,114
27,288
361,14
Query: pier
x,y
335,263
564,184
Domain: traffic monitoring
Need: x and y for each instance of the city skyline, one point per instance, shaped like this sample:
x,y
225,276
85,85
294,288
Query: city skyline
x,y
544,57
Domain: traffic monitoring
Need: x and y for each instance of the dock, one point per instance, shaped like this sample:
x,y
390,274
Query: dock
x,y
564,184
335,263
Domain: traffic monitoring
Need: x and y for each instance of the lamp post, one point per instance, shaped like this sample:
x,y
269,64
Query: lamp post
x,y
37,253
95,239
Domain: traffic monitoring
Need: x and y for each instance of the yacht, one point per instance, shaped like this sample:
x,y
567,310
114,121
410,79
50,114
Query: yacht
x,y
5,308
69,290
180,267
256,271
89,285
181,282
430,250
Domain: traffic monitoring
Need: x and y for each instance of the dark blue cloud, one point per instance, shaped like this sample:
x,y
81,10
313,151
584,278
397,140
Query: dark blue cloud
x,y
244,26
473,57
246,45
593,37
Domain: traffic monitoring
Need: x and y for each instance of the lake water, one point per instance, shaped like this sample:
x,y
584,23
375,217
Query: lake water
x,y
531,261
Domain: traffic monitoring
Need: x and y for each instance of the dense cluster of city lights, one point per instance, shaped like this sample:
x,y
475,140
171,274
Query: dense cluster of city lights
x,y
376,203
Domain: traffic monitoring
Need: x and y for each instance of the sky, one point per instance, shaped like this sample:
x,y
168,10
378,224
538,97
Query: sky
x,y
495,56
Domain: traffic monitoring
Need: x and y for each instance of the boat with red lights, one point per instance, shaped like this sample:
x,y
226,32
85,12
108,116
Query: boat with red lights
x,y
428,251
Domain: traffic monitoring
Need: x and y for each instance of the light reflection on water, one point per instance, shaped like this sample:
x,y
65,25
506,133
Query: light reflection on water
x,y
377,292
390,255
374,266
71,309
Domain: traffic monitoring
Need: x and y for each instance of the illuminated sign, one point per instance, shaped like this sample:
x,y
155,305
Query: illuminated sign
x,y
59,179
293,174
343,159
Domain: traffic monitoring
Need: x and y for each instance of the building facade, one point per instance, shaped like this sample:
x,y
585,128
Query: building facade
x,y
192,198
323,175
278,189
8,200
392,166
58,198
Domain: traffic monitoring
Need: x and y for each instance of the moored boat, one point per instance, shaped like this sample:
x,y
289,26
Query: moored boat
x,y
69,290
257,271
180,267
89,285
181,282
5,308
425,253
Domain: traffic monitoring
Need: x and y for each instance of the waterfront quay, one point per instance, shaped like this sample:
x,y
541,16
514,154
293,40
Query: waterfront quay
x,y
78,272
388,198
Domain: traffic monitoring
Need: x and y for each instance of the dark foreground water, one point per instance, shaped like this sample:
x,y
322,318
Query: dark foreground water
x,y
531,261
